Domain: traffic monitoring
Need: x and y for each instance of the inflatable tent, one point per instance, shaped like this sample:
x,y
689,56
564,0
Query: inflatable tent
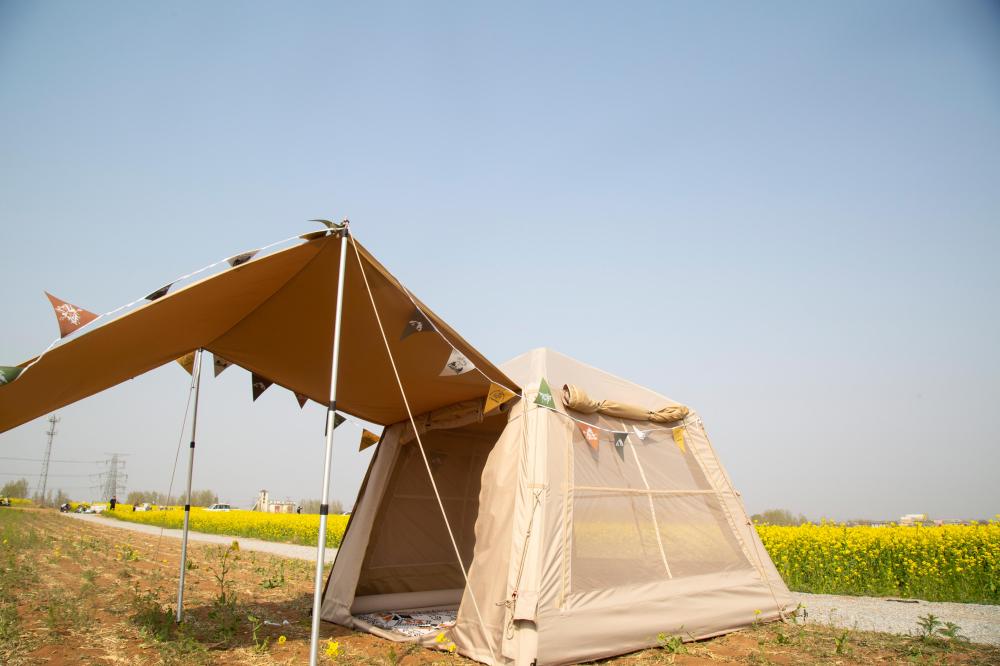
x,y
554,530
577,546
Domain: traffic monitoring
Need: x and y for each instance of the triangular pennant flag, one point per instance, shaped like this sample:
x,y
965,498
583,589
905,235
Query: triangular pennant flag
x,y
457,364
368,438
241,258
496,396
259,384
302,400
620,438
9,374
417,323
187,362
162,291
589,434
544,397
679,438
69,316
337,420
641,434
219,364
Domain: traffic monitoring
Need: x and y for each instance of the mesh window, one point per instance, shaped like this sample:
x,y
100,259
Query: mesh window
x,y
614,532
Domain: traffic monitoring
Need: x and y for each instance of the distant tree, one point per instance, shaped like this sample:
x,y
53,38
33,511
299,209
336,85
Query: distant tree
x,y
312,506
147,496
203,498
61,498
18,489
778,517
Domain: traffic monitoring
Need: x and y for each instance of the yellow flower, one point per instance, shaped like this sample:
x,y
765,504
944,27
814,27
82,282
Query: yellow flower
x,y
452,647
281,640
440,638
332,648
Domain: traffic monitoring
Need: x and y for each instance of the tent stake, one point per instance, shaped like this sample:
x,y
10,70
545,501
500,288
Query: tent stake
x,y
324,507
196,370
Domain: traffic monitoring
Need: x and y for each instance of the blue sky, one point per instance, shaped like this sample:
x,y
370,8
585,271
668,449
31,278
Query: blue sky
x,y
784,214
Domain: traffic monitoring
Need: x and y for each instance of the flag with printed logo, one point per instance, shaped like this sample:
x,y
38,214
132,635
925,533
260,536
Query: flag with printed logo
x,y
496,396
187,362
620,439
241,258
259,384
589,434
8,374
368,438
417,323
219,364
69,316
544,397
457,365
679,438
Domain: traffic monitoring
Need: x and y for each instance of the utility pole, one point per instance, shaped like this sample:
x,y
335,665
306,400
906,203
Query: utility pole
x,y
44,478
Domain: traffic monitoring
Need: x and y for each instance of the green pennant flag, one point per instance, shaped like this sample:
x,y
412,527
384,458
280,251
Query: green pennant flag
x,y
544,397
8,374
620,438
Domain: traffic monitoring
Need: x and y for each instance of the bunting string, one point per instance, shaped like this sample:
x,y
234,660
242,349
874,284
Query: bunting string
x,y
232,260
549,404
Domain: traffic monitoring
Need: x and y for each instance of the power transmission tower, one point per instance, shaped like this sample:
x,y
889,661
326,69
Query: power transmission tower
x,y
113,481
43,480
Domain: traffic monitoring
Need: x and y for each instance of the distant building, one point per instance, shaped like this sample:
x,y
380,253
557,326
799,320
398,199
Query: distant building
x,y
913,519
267,505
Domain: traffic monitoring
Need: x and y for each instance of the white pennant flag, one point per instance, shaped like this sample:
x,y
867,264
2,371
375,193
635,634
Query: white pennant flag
x,y
220,364
640,434
457,365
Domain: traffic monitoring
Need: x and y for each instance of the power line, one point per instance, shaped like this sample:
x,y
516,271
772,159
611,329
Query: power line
x,y
61,475
55,460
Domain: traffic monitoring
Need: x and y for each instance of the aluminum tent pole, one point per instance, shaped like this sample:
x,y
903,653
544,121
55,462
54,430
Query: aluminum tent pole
x,y
196,370
324,507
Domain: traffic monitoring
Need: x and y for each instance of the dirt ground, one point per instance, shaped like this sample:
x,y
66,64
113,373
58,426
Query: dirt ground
x,y
77,593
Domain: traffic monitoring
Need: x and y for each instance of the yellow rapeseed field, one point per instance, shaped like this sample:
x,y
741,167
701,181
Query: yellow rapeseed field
x,y
288,528
947,563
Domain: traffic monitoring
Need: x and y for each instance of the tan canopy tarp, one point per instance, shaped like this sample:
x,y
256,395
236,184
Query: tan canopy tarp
x,y
273,316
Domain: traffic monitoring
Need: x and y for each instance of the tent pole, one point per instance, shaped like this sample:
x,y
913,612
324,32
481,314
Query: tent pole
x,y
324,507
196,370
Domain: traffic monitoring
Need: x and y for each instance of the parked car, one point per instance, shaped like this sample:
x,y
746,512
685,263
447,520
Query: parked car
x,y
219,507
145,506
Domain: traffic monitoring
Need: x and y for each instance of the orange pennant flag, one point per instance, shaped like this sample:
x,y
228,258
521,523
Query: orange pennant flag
x,y
69,316
589,434
679,438
368,438
187,362
496,396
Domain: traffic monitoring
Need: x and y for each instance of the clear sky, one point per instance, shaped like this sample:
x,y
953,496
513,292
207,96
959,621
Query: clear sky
x,y
784,214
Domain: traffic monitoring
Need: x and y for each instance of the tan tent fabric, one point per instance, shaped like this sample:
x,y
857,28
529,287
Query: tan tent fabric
x,y
576,399
273,316
577,553
452,416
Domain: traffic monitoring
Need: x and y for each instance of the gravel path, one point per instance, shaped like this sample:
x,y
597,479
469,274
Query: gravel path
x,y
979,622
283,549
